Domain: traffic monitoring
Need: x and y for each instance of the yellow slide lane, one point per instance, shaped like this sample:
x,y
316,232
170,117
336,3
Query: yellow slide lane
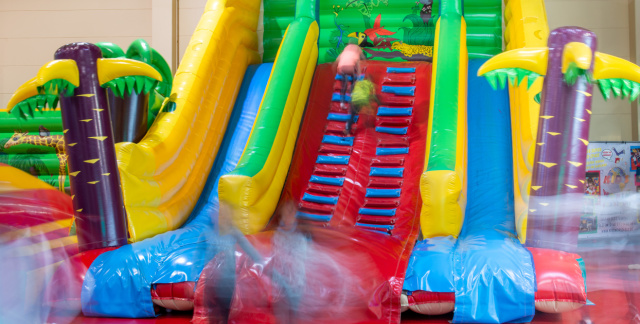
x,y
163,175
526,26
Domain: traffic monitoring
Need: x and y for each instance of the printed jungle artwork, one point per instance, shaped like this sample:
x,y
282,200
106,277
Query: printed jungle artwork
x,y
392,30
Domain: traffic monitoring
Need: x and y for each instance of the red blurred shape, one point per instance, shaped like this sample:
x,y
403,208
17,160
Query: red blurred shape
x,y
64,290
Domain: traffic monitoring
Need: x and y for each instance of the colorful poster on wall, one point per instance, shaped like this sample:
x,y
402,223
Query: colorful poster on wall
x,y
612,183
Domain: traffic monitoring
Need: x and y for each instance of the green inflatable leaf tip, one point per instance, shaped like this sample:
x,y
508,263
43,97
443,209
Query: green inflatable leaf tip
x,y
512,76
522,73
131,82
571,75
616,87
491,78
537,98
605,88
502,79
635,91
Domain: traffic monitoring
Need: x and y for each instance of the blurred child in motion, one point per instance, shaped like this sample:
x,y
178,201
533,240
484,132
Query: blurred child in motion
x,y
362,95
349,66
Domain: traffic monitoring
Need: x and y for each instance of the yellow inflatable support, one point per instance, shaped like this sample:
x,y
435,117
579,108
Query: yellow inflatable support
x,y
443,184
163,175
526,26
253,189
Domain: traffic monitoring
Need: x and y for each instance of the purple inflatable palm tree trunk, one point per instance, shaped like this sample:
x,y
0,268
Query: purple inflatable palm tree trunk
x,y
95,182
557,184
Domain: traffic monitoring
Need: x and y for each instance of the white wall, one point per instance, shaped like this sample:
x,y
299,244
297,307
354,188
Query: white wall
x,y
609,19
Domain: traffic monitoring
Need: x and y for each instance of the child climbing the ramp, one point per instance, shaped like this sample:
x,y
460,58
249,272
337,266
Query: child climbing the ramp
x,y
349,66
362,96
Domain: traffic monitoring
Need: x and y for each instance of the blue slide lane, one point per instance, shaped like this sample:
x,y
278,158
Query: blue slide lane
x,y
129,272
490,272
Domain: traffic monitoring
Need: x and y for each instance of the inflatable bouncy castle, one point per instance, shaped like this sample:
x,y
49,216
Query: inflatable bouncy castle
x,y
245,201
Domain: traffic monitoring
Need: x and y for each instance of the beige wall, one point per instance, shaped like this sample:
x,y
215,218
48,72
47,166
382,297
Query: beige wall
x,y
189,13
31,31
609,19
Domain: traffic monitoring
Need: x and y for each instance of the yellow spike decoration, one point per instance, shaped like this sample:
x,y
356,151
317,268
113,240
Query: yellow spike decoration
x,y
589,111
535,188
73,174
86,120
579,119
88,95
532,210
553,133
575,163
65,131
585,142
584,93
99,138
571,186
92,161
79,210
98,109
106,174
93,182
548,164
72,144
546,117
581,181
540,144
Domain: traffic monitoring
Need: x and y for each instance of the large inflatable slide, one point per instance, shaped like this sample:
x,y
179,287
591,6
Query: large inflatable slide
x,y
245,201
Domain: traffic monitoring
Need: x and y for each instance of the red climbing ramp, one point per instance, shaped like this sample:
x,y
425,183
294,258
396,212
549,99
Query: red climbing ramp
x,y
358,206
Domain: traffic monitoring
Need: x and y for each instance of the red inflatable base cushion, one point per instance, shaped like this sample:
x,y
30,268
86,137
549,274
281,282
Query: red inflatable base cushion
x,y
429,303
561,280
176,296
559,276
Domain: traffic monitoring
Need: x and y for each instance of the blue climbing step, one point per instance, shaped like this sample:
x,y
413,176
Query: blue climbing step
x,y
340,78
320,199
337,140
383,193
377,212
400,70
375,227
341,117
386,172
338,159
391,150
327,180
394,112
392,130
398,91
337,96
313,217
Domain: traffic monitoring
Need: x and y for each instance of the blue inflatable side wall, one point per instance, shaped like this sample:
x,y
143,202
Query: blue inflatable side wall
x,y
489,270
180,255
